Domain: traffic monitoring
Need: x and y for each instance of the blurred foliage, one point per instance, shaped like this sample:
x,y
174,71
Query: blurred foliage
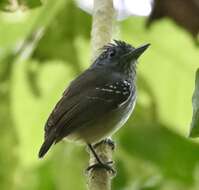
x,y
195,102
42,50
13,5
182,12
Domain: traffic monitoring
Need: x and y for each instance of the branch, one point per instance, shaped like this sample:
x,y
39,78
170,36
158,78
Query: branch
x,y
99,178
103,15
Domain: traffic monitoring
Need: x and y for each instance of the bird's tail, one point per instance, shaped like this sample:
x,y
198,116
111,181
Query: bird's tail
x,y
46,145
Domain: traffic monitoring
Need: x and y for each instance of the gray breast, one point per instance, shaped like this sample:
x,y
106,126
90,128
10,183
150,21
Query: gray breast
x,y
123,113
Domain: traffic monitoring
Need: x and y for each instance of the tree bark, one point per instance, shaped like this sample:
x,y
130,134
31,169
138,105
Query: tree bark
x,y
103,17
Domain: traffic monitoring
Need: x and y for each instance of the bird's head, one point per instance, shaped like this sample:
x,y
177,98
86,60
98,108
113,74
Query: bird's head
x,y
119,56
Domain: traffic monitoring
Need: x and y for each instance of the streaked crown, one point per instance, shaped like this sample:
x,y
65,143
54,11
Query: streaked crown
x,y
119,56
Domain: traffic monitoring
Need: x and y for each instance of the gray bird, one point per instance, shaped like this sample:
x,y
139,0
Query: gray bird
x,y
99,101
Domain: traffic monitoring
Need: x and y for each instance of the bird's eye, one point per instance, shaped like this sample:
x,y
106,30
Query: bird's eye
x,y
112,53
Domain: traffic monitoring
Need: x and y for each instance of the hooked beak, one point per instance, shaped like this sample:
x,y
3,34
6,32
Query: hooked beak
x,y
135,53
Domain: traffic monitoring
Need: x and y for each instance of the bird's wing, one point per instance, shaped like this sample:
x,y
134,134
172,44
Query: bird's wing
x,y
87,98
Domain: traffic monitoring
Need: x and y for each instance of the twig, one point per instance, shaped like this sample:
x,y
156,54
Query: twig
x,y
103,16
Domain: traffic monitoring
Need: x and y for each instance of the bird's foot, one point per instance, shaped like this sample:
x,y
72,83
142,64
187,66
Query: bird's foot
x,y
107,166
108,141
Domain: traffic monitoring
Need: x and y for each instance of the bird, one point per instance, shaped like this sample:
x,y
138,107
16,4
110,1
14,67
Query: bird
x,y
98,102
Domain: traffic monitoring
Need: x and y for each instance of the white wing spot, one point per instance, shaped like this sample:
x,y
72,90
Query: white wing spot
x,y
118,92
106,90
125,93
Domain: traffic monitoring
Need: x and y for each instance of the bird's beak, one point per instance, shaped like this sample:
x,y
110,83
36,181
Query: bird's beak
x,y
139,51
135,53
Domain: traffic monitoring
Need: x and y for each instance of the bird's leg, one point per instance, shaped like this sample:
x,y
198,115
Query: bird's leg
x,y
108,141
100,164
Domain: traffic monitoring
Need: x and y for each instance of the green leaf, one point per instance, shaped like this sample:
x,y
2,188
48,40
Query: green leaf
x,y
175,156
30,3
195,102
14,5
62,44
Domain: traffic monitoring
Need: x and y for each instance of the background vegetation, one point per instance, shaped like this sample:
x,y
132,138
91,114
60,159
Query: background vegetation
x,y
42,50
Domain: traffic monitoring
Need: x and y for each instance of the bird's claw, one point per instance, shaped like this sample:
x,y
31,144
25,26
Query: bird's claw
x,y
105,166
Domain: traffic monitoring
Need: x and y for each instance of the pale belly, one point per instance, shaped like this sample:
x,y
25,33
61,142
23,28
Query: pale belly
x,y
104,127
